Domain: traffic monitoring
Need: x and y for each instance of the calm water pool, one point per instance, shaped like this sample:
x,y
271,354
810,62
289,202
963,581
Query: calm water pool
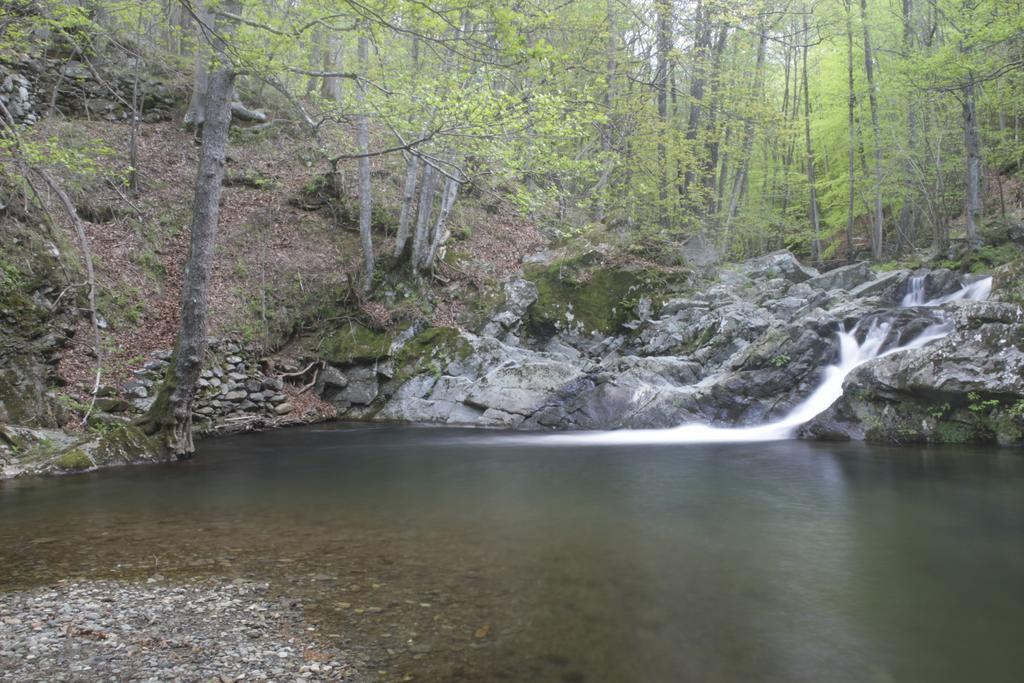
x,y
453,555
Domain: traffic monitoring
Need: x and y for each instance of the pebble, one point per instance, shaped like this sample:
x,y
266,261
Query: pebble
x,y
158,631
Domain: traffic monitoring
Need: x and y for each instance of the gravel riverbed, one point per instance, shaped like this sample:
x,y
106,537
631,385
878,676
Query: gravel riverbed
x,y
158,631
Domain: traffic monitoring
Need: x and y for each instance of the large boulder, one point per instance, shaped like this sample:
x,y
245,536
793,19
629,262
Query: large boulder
x,y
776,264
523,388
520,294
844,277
968,386
884,285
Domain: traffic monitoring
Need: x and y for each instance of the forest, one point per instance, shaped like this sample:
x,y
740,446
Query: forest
x,y
569,341
577,163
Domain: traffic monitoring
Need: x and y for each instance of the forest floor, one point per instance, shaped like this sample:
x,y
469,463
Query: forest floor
x,y
281,266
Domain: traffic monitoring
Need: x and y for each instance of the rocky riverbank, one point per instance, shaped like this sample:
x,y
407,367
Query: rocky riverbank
x,y
741,349
159,631
584,344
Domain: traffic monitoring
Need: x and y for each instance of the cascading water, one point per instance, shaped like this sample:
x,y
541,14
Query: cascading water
x,y
852,354
915,296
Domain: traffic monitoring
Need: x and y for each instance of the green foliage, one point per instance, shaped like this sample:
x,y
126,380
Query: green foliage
x,y
981,406
1017,409
955,433
781,360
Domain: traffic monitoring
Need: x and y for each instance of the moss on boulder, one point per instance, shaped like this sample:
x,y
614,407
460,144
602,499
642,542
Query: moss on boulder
x,y
355,343
580,293
431,351
73,460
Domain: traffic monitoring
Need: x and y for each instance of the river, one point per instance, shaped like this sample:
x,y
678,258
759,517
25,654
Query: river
x,y
455,555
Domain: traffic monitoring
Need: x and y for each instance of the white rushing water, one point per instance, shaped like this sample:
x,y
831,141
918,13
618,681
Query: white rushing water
x,y
915,296
852,354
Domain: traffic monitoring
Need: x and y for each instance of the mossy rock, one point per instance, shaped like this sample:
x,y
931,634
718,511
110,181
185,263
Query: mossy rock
x,y
74,460
124,443
579,294
355,343
431,350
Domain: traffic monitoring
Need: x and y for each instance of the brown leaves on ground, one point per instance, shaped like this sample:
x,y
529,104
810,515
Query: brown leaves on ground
x,y
270,255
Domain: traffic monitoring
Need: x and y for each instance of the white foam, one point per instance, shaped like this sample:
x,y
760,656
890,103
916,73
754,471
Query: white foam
x,y
852,354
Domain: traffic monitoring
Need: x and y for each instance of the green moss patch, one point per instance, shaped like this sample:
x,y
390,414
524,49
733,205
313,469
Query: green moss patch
x,y
431,350
74,460
574,293
355,343
124,443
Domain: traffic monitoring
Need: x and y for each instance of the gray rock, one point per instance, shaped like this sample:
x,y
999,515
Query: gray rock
x,y
493,417
673,306
135,389
844,277
958,389
417,387
330,378
452,389
283,408
884,284
272,384
235,396
522,388
520,295
362,388
143,404
776,264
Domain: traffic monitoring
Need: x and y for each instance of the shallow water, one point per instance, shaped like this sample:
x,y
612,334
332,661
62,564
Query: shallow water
x,y
449,555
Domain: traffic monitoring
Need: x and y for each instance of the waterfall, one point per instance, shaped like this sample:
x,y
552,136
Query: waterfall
x,y
915,294
852,354
977,291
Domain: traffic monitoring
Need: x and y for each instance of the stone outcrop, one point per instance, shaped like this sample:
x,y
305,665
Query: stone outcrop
x,y
968,387
741,350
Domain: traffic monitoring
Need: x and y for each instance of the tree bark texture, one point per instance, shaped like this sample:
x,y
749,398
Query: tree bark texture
x,y
172,411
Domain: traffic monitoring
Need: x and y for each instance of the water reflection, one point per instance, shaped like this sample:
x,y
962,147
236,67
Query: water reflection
x,y
449,558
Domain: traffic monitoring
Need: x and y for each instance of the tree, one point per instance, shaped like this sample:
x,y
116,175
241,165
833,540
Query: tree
x,y
170,417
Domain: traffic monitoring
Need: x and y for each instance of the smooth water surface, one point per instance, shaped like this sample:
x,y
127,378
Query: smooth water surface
x,y
452,555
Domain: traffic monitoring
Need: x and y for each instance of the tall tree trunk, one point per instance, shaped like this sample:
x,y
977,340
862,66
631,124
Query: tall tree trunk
x,y
412,170
330,89
972,148
815,218
428,188
440,233
701,42
878,227
907,225
133,142
723,172
851,124
747,147
608,162
711,147
664,46
171,413
365,188
195,116
315,60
